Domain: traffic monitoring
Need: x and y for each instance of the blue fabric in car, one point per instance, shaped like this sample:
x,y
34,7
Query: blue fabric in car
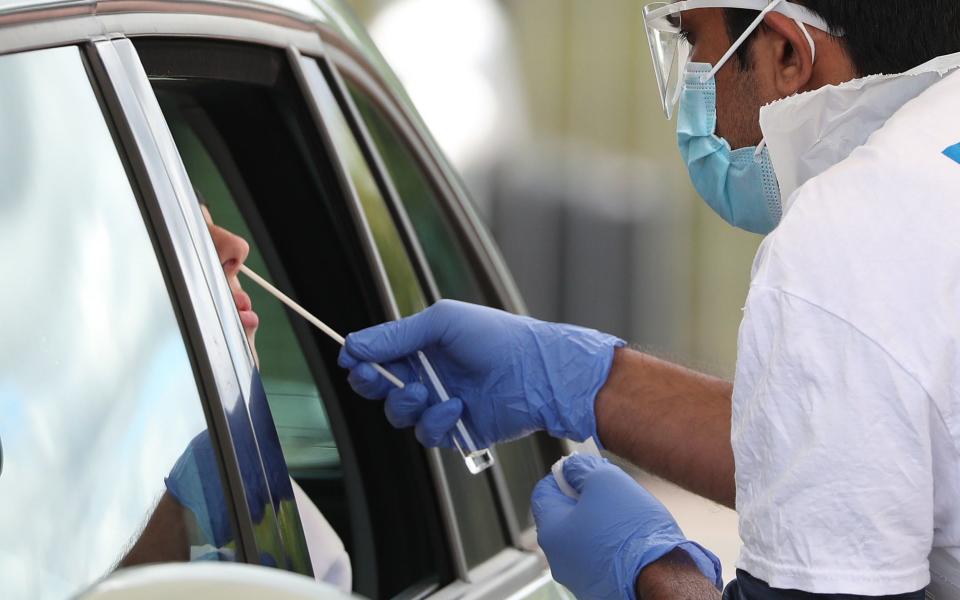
x,y
195,480
748,587
269,442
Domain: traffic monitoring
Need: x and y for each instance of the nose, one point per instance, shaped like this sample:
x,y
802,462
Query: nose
x,y
231,249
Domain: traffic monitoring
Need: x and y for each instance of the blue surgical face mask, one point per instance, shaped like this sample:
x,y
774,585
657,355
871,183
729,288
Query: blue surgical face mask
x,y
740,185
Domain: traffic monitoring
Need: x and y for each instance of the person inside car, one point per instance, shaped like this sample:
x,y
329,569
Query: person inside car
x,y
182,526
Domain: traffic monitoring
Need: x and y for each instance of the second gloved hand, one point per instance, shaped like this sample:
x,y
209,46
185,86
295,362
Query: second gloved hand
x,y
598,544
507,375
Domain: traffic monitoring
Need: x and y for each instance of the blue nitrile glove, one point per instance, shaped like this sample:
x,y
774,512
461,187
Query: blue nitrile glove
x,y
507,376
598,545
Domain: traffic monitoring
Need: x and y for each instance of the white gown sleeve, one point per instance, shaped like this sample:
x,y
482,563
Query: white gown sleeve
x,y
330,561
833,452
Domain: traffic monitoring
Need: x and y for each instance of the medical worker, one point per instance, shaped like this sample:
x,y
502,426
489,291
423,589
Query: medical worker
x,y
839,440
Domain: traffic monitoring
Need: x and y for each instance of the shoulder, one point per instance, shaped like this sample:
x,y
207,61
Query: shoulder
x,y
898,182
884,217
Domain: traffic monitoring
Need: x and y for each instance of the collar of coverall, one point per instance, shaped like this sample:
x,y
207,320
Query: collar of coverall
x,y
808,133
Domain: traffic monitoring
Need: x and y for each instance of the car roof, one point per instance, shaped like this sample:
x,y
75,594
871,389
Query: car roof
x,y
329,16
306,10
335,15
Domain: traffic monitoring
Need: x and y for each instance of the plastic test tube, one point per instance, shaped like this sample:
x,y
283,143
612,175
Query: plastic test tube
x,y
477,459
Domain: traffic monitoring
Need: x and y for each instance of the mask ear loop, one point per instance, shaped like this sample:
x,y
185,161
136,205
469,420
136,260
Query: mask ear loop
x,y
806,34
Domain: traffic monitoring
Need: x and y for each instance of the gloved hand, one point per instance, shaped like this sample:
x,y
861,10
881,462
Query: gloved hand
x,y
507,376
598,545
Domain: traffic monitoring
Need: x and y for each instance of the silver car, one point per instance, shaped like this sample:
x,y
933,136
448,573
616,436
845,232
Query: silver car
x,y
135,424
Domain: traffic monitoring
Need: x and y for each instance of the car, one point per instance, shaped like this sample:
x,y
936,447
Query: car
x,y
125,370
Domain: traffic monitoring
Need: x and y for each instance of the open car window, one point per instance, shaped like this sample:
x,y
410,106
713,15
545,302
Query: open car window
x,y
295,403
253,150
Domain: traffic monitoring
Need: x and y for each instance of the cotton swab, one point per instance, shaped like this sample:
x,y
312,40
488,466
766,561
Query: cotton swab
x,y
329,331
476,459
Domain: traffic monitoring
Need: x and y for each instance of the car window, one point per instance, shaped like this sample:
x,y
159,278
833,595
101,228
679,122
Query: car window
x,y
253,150
477,514
523,461
107,461
295,403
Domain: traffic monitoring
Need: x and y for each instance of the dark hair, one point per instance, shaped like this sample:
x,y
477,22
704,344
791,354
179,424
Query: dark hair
x,y
880,36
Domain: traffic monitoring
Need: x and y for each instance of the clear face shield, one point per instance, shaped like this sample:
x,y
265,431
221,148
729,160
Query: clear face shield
x,y
671,51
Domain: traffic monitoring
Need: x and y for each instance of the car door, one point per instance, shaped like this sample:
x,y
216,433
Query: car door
x,y
125,438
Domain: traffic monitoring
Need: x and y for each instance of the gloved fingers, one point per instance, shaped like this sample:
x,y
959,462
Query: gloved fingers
x,y
369,383
396,339
347,360
438,421
366,382
578,468
404,407
549,504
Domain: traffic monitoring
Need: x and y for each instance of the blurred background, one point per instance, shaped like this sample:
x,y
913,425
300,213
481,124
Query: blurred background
x,y
549,109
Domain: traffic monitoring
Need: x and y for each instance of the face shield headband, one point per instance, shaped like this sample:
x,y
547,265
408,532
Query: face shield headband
x,y
671,51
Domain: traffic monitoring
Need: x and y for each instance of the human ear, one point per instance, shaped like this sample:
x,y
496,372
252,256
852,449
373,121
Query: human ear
x,y
789,57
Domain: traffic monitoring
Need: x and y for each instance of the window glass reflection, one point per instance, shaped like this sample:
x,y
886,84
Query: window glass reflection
x,y
107,461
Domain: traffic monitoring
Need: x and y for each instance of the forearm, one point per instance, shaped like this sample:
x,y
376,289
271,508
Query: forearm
x,y
163,539
674,577
670,421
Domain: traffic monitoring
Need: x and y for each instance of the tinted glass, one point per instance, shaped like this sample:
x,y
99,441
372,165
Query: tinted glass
x,y
477,512
457,277
393,253
106,457
444,250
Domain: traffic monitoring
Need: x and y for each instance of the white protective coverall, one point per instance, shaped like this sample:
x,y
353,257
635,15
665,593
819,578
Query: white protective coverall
x,y
329,559
846,405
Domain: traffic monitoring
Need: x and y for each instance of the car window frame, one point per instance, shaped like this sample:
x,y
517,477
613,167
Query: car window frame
x,y
456,208
417,255
483,257
495,281
190,261
441,487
